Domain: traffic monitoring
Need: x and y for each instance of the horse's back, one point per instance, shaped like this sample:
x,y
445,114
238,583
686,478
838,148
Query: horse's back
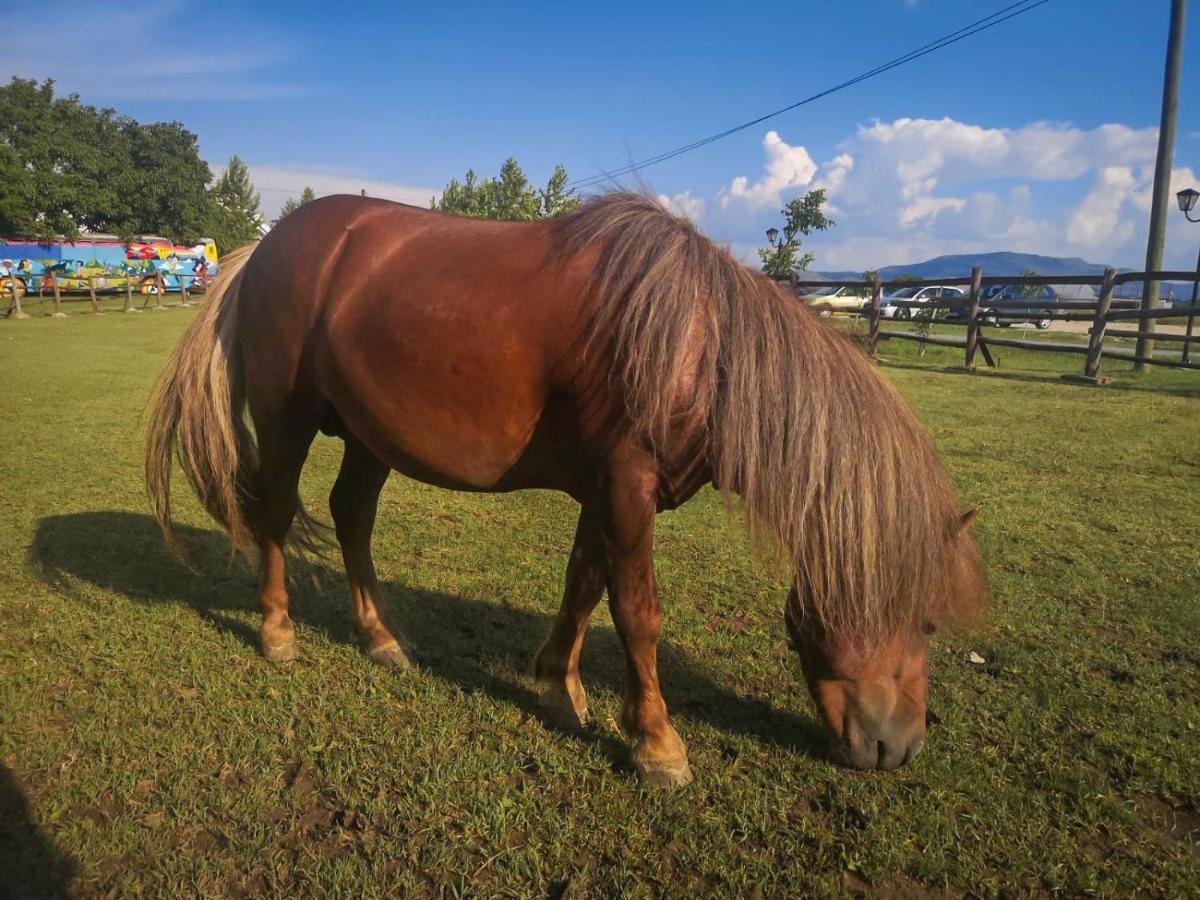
x,y
434,338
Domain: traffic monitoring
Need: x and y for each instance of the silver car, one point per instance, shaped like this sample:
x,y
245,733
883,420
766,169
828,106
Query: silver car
x,y
889,310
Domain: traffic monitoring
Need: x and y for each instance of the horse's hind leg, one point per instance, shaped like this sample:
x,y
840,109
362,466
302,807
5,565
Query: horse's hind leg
x,y
354,502
282,448
557,663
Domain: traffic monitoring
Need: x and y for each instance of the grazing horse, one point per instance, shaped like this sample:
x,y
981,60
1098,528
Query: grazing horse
x,y
614,354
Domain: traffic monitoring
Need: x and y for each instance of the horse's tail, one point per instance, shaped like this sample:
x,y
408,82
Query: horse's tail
x,y
198,416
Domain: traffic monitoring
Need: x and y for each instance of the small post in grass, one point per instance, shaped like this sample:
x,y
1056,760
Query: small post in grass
x,y
58,313
92,294
973,318
18,313
129,294
183,290
873,330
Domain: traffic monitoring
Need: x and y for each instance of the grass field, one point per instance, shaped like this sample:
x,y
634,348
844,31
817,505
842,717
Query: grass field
x,y
146,748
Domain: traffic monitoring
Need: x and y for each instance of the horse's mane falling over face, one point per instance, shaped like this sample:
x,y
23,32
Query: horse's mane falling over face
x,y
832,467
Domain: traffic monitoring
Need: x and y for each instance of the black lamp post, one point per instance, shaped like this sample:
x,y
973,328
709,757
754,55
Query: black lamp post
x,y
1187,202
773,238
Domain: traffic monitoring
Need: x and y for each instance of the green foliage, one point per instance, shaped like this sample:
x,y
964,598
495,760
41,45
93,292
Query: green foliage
x,y
165,186
802,216
66,167
234,215
509,196
907,276
308,195
1029,291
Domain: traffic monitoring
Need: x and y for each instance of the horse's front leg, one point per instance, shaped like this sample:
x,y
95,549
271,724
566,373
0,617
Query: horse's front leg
x,y
557,662
658,752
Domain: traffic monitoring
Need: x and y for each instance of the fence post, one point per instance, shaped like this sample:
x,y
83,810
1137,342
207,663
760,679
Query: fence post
x,y
183,290
873,331
1091,369
19,313
1191,322
128,293
58,313
92,294
162,289
973,317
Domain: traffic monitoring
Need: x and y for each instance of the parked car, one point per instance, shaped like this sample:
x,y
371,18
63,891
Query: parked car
x,y
1019,306
888,308
835,298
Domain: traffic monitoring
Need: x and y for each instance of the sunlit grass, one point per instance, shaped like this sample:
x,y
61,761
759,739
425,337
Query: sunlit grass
x,y
158,753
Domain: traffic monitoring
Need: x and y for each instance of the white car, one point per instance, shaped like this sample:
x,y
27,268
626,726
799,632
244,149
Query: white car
x,y
889,310
835,298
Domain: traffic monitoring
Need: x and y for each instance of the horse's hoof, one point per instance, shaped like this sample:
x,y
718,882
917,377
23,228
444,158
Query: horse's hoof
x,y
556,700
281,651
391,656
665,776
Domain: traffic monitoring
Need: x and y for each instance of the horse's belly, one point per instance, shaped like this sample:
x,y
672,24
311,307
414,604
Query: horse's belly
x,y
436,403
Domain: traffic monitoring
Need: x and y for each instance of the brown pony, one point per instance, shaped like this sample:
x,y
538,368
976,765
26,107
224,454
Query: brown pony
x,y
614,354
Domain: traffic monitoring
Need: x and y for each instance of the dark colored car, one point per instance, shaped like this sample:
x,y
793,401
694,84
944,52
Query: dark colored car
x,y
1015,305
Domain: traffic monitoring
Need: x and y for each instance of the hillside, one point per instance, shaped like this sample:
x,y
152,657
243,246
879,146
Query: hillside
x,y
1002,263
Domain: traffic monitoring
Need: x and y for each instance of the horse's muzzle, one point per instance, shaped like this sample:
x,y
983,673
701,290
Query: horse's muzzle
x,y
880,751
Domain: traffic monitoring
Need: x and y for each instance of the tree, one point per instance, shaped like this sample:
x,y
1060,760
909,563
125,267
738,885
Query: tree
x,y
802,216
1029,291
165,191
66,167
234,215
556,199
292,204
509,196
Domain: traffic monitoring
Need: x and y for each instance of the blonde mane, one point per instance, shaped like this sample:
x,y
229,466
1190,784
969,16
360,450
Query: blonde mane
x,y
830,463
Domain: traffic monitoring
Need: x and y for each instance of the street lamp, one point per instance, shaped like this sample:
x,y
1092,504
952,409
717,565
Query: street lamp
x,y
1187,202
778,243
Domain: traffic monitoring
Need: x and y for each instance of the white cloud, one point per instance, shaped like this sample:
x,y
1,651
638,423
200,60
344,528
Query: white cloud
x,y
278,183
158,54
685,205
909,189
1097,219
786,167
928,208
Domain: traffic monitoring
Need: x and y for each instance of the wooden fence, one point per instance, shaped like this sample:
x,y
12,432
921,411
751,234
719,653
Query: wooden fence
x,y
156,283
1101,312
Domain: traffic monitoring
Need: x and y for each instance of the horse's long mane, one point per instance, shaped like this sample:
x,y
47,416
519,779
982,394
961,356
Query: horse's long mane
x,y
829,461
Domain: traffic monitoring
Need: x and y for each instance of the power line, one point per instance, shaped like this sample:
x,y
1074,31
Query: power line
x,y
1001,15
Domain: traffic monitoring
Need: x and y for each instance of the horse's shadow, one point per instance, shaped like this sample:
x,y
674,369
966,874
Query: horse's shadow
x,y
455,638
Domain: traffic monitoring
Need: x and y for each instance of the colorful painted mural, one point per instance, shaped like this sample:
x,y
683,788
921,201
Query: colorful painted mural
x,y
110,264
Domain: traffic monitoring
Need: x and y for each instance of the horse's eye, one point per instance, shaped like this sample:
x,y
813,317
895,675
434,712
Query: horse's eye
x,y
930,627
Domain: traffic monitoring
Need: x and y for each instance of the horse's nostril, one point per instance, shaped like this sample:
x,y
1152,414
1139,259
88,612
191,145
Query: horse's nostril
x,y
882,749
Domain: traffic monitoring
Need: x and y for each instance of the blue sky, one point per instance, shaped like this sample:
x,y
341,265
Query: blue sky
x,y
1037,135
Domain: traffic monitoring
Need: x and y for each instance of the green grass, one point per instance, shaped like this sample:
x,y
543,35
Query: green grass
x,y
146,748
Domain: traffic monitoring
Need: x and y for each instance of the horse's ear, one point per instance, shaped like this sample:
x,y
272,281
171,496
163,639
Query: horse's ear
x,y
967,518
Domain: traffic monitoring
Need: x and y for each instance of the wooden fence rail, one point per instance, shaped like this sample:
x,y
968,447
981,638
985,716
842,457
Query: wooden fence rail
x,y
973,312
187,283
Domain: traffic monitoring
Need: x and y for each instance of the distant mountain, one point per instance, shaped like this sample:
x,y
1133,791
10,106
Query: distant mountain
x,y
1006,263
959,266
